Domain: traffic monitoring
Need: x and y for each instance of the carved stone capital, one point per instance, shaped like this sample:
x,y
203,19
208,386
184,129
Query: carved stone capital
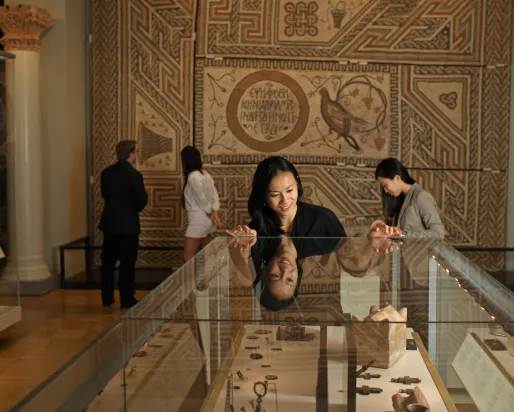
x,y
22,26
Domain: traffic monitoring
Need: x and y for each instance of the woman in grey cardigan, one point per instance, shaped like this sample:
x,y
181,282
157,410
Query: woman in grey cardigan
x,y
408,209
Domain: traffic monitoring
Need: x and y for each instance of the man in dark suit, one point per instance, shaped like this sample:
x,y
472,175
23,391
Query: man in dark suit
x,y
124,196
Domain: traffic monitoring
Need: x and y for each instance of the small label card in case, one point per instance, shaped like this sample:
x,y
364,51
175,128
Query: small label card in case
x,y
490,387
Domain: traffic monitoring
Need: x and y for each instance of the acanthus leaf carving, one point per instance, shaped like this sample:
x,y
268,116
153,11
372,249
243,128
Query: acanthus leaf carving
x,y
22,26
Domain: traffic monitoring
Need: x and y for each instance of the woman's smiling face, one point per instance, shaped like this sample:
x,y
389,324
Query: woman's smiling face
x,y
282,194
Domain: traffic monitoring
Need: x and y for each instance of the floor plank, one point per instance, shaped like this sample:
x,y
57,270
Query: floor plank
x,y
53,329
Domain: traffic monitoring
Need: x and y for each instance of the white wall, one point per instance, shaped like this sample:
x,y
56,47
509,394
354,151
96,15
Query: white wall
x,y
63,104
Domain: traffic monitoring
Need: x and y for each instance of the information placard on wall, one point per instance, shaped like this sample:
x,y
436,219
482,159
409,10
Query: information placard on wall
x,y
490,387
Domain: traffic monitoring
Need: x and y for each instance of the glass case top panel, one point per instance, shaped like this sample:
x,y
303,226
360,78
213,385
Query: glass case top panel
x,y
329,281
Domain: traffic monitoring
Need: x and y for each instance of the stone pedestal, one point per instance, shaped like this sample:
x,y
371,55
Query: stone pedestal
x,y
22,27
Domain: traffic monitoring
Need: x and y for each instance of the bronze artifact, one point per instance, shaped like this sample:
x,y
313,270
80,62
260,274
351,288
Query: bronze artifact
x,y
406,380
411,344
261,331
369,376
415,402
276,349
271,377
255,356
294,333
416,408
366,390
364,368
229,397
252,347
260,389
265,366
252,337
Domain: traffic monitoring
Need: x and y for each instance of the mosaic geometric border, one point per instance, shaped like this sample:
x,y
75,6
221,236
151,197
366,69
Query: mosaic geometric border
x,y
445,32
440,116
496,84
104,96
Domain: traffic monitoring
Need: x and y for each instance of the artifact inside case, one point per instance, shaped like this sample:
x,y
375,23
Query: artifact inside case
x,y
415,401
381,336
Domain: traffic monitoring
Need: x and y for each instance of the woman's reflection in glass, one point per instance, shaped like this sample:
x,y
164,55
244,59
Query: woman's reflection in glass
x,y
280,273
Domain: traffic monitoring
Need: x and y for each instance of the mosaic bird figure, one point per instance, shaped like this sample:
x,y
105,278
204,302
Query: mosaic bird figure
x,y
338,118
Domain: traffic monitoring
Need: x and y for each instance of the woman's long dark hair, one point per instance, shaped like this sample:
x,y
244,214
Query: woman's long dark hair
x,y
191,161
388,169
268,223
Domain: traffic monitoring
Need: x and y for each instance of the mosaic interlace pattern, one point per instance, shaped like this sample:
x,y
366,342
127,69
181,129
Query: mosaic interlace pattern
x,y
442,31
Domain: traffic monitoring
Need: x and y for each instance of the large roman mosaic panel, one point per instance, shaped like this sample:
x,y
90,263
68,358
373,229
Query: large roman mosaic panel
x,y
335,86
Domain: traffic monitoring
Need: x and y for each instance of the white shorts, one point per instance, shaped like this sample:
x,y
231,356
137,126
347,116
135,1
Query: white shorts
x,y
199,225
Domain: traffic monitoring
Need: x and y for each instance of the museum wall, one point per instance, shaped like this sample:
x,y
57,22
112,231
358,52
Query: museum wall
x,y
335,87
63,104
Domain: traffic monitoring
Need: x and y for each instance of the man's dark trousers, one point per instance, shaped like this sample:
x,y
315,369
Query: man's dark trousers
x,y
124,248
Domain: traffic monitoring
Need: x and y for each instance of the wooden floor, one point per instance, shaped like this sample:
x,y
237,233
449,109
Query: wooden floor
x,y
54,327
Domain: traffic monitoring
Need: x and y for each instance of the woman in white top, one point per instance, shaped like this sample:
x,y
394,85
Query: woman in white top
x,y
200,199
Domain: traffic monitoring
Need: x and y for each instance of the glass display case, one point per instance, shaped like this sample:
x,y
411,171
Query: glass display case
x,y
10,308
291,324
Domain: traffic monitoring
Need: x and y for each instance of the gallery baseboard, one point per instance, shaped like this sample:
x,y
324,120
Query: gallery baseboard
x,y
40,287
31,287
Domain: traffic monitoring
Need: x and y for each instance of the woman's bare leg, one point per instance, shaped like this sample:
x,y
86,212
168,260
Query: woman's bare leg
x,y
191,247
206,240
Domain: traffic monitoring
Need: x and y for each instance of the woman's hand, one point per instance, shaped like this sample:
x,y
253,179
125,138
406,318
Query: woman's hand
x,y
244,237
377,223
242,243
393,231
380,229
384,245
242,231
216,218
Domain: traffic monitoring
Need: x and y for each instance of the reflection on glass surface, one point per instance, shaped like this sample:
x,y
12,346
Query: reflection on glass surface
x,y
293,324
